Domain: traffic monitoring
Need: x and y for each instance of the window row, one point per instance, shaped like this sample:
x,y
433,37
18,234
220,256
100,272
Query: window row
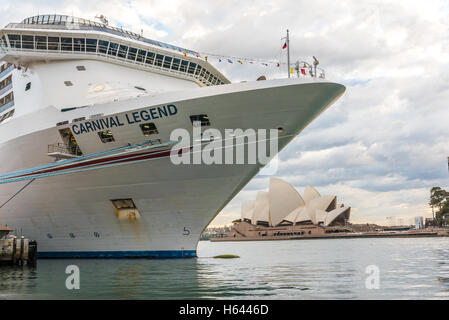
x,y
73,236
113,49
150,128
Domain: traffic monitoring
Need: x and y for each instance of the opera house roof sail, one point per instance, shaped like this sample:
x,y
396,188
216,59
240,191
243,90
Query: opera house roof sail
x,y
283,205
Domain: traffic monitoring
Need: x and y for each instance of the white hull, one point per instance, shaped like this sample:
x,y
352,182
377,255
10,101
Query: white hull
x,y
175,202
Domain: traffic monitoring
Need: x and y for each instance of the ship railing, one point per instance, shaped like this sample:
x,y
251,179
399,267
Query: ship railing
x,y
63,149
97,50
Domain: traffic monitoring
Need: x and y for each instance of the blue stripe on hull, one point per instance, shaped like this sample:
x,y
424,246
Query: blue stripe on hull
x,y
163,254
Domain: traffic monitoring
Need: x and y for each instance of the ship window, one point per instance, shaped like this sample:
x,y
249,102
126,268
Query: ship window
x,y
96,235
203,118
28,86
150,58
132,54
124,204
4,41
167,62
14,41
198,70
103,46
27,42
68,83
66,44
79,44
106,136
112,49
148,129
192,67
41,42
72,235
53,43
159,59
175,65
122,51
91,45
141,55
49,236
184,66
81,68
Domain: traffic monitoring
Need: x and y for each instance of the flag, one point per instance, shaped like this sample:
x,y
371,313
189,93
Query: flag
x,y
291,70
230,61
185,54
205,58
303,71
219,60
278,65
239,61
284,46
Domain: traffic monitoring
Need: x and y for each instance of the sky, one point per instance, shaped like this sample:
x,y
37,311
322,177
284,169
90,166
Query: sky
x,y
382,146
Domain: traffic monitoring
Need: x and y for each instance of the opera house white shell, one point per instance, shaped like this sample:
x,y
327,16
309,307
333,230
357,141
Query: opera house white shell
x,y
283,205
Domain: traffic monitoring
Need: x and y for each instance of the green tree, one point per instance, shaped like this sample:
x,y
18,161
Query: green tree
x,y
439,198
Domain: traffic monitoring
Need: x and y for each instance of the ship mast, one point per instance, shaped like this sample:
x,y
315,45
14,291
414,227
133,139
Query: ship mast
x,y
288,54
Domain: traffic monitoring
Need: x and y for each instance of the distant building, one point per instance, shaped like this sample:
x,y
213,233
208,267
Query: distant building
x,y
283,205
419,223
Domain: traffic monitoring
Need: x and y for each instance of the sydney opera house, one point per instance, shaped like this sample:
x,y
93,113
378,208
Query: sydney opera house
x,y
283,213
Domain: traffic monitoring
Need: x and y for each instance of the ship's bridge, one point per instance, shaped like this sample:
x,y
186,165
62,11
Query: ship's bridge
x,y
57,37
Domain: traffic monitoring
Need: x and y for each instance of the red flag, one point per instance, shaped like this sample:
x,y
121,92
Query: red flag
x,y
303,71
284,46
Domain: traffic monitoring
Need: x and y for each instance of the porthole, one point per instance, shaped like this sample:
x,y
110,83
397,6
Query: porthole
x,y
149,129
106,136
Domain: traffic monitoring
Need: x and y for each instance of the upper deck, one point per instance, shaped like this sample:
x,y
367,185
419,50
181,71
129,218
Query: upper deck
x,y
55,37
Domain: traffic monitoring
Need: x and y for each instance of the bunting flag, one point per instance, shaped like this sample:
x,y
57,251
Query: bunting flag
x,y
303,71
230,61
284,46
291,70
239,61
205,58
185,54
278,65
219,60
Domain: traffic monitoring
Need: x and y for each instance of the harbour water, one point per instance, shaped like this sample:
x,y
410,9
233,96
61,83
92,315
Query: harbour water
x,y
413,268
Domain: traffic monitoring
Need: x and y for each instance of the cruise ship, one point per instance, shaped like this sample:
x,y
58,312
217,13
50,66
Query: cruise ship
x,y
86,115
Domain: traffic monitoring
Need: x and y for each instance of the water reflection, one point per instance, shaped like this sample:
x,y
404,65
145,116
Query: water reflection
x,y
321,269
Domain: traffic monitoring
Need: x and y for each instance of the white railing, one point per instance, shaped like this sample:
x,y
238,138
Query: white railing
x,y
117,55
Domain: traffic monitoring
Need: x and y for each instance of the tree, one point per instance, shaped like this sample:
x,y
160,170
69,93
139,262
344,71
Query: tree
x,y
439,198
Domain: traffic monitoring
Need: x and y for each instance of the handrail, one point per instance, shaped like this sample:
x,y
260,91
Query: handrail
x,y
7,70
97,50
5,89
7,106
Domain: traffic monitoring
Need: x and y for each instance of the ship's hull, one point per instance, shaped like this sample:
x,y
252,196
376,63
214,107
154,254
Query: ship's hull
x,y
71,215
